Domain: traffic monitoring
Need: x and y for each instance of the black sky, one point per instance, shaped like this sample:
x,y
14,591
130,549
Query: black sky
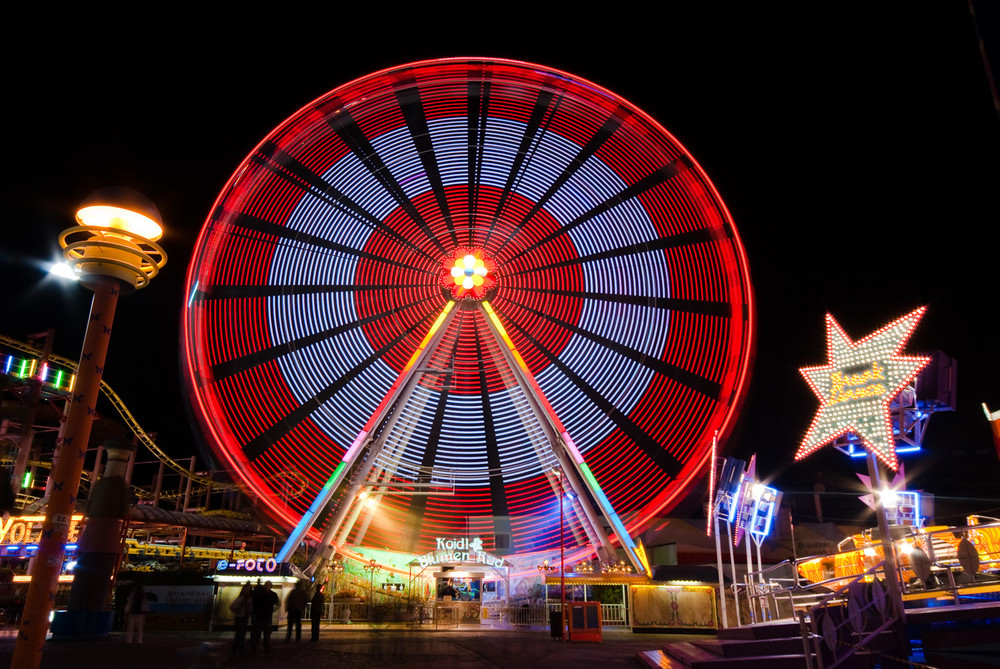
x,y
856,148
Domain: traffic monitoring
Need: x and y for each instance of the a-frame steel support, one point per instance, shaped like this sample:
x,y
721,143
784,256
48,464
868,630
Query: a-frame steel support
x,y
391,404
572,462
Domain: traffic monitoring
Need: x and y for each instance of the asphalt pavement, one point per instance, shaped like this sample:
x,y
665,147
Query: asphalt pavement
x,y
355,647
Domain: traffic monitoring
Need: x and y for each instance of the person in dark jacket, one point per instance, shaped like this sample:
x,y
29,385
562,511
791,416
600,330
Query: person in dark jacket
x,y
295,606
264,603
318,605
241,607
136,610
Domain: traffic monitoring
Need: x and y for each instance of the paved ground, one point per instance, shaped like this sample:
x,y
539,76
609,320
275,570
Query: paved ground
x,y
356,647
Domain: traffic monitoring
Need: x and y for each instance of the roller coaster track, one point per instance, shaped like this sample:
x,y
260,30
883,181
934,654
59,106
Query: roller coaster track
x,y
128,418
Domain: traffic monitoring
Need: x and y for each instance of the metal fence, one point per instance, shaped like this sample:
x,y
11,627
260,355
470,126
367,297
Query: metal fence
x,y
503,613
495,612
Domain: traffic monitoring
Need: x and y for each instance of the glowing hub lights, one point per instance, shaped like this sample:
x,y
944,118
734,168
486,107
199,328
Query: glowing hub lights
x,y
468,273
857,385
601,247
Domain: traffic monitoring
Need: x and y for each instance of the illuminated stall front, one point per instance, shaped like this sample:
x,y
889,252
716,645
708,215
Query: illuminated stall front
x,y
636,601
19,537
231,575
465,578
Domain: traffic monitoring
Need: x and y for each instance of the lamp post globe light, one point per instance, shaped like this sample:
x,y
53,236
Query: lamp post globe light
x,y
336,566
114,249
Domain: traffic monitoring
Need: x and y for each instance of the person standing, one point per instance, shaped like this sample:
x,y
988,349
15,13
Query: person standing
x,y
317,606
241,608
295,605
264,603
135,610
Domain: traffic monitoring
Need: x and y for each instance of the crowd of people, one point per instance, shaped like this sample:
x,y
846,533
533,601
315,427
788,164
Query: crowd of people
x,y
254,608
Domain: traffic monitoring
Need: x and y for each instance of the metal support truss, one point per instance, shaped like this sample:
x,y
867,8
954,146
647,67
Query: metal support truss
x,y
570,460
365,442
909,419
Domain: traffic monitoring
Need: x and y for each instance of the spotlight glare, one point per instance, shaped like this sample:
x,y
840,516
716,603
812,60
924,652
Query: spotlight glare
x,y
64,271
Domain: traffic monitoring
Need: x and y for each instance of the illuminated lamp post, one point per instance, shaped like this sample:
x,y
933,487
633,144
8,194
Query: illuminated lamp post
x,y
114,250
562,561
372,568
544,570
545,567
336,566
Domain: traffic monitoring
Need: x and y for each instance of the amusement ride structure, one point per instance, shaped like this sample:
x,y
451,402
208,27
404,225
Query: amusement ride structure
x,y
434,291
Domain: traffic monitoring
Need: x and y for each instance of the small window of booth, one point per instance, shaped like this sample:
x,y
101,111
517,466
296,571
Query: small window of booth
x,y
458,596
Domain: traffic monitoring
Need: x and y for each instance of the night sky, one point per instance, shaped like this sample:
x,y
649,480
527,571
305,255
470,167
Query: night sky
x,y
856,150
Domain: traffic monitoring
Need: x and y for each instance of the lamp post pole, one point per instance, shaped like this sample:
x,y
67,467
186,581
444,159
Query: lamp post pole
x,y
336,566
562,563
99,549
890,569
113,249
372,568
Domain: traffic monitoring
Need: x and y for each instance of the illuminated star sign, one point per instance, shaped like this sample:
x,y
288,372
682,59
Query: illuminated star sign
x,y
858,384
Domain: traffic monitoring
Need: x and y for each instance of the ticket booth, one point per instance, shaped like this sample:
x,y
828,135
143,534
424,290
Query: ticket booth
x,y
461,573
458,597
230,576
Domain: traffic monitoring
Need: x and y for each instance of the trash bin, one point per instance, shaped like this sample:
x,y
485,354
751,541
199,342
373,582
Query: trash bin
x,y
555,624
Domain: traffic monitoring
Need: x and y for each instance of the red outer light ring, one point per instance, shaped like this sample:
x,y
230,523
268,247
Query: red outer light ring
x,y
621,279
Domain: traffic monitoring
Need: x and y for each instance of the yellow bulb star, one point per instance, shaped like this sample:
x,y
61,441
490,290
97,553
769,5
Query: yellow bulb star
x,y
858,384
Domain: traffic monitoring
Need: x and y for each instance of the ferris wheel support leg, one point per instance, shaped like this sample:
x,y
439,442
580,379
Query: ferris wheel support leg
x,y
588,516
558,435
326,547
351,504
403,384
371,504
331,539
587,522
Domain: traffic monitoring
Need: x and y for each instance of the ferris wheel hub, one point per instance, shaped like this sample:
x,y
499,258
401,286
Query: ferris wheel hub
x,y
468,273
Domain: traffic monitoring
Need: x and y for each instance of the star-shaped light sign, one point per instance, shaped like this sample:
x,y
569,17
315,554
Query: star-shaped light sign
x,y
858,384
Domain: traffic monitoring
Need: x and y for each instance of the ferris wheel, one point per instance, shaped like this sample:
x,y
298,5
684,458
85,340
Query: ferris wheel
x,y
446,286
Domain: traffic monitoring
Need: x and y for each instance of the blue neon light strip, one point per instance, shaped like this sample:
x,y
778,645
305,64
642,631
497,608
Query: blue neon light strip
x,y
610,513
309,516
859,452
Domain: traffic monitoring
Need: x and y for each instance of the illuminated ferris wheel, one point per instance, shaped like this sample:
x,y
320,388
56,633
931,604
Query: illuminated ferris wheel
x,y
443,287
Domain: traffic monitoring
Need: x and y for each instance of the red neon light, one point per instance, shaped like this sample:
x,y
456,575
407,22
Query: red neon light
x,y
314,275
